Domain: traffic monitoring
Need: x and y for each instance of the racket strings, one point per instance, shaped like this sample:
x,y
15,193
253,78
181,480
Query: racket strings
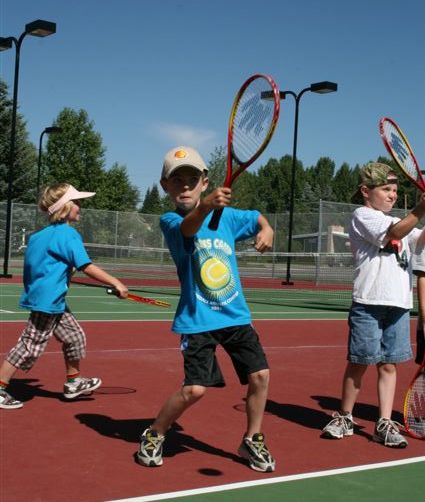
x,y
252,121
415,407
400,149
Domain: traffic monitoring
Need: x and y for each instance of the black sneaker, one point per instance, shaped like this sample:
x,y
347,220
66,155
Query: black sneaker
x,y
8,402
255,451
80,385
150,449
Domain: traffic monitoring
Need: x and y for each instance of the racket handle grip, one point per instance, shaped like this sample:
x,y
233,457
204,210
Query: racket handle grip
x,y
112,291
215,219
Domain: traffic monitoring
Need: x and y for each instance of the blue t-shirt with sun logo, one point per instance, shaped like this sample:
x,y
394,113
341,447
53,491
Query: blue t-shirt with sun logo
x,y
211,293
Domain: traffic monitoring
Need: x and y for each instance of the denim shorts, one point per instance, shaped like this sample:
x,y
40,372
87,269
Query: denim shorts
x,y
378,334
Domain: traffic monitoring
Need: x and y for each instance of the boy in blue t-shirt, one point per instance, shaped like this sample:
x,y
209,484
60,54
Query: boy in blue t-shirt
x,y
212,309
50,258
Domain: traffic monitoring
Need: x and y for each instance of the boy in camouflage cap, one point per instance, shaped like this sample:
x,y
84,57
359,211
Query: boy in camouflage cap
x,y
382,297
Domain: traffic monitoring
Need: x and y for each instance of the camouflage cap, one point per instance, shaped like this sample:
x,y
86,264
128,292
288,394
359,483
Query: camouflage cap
x,y
376,174
373,174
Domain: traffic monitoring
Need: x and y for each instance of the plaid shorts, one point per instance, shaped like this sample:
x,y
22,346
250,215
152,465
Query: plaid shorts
x,y
38,331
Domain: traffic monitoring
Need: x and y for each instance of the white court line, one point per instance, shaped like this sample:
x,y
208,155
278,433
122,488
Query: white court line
x,y
281,479
7,312
167,320
161,349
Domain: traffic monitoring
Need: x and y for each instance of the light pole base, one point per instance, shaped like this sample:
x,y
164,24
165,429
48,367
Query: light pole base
x,y
287,283
6,276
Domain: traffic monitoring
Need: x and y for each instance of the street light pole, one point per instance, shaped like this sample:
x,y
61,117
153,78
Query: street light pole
x,y
47,130
37,28
319,88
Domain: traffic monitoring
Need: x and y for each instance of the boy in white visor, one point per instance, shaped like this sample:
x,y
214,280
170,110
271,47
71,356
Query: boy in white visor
x,y
51,256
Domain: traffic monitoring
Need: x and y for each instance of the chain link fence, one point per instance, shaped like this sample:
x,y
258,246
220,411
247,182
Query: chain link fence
x,y
320,246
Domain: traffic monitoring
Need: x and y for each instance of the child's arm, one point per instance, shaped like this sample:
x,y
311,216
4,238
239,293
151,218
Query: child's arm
x,y
407,224
264,238
193,220
100,275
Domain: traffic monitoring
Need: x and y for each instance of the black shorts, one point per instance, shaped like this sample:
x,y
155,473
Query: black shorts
x,y
199,353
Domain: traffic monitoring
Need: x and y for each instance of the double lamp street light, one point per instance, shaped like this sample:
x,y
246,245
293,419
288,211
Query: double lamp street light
x,y
38,28
319,88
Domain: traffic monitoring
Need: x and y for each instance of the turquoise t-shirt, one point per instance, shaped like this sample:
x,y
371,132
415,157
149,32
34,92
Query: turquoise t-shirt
x,y
50,256
211,293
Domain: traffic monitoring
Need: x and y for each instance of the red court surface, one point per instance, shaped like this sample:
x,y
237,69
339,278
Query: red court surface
x,y
84,450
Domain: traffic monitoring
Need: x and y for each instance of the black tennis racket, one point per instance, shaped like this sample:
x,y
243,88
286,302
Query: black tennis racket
x,y
400,150
252,122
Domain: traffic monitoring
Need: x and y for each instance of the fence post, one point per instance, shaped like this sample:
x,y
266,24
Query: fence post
x,y
274,243
116,235
319,242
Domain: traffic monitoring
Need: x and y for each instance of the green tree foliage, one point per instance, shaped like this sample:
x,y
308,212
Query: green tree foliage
x,y
116,191
152,203
25,163
320,176
217,167
76,155
345,182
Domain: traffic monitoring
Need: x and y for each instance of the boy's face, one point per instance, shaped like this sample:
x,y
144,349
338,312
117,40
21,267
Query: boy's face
x,y
381,198
185,186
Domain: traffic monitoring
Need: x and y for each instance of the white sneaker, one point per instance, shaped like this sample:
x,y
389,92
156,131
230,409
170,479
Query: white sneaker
x,y
7,402
80,385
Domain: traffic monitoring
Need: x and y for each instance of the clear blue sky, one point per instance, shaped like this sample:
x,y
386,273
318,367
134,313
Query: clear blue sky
x,y
154,74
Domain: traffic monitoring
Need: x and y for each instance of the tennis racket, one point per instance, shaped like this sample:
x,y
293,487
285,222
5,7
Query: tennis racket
x,y
139,299
252,122
400,150
130,296
414,405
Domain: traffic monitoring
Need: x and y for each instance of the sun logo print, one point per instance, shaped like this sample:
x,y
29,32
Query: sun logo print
x,y
213,275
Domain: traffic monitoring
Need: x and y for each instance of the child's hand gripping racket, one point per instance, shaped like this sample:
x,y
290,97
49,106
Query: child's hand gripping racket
x,y
400,150
252,122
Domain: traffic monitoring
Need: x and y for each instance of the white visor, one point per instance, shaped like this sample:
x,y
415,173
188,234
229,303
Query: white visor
x,y
71,194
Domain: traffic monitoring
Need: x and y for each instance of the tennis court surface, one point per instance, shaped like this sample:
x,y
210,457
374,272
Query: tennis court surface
x,y
83,450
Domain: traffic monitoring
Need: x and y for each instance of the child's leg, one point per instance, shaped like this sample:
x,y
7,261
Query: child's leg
x,y
176,405
152,439
73,339
387,378
351,385
256,397
7,371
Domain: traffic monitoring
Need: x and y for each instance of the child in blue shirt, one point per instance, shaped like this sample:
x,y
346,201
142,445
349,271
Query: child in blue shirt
x,y
212,309
51,256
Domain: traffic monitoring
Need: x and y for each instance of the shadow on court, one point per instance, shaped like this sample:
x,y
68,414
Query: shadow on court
x,y
130,431
26,389
362,411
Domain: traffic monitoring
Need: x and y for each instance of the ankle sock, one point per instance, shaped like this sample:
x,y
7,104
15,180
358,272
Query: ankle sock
x,y
71,378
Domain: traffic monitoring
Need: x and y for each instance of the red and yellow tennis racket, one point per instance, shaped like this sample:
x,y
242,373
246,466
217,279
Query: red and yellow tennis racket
x,y
140,299
252,122
400,150
131,296
414,405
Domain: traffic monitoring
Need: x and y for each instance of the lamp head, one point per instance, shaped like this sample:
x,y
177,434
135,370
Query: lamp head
x,y
324,87
5,43
53,129
40,28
